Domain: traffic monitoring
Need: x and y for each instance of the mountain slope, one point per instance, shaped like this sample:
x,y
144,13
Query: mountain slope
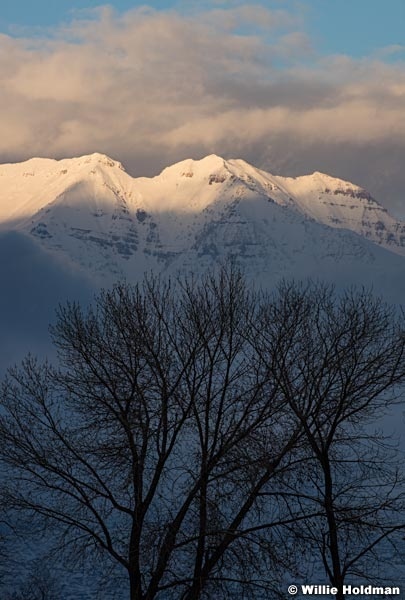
x,y
91,215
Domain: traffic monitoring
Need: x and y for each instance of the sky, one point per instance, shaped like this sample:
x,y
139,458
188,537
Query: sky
x,y
292,86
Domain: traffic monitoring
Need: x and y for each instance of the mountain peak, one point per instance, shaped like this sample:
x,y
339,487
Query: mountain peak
x,y
97,158
206,164
212,159
334,181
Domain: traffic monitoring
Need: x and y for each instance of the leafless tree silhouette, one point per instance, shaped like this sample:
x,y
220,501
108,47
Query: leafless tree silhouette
x,y
152,440
196,433
339,361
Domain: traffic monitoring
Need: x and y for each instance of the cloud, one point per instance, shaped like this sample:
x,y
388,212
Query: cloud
x,y
151,87
36,283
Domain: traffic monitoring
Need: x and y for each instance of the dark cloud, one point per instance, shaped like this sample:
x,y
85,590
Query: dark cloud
x,y
32,285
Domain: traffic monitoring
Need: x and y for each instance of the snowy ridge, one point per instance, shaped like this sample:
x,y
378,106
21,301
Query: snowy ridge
x,y
341,204
90,213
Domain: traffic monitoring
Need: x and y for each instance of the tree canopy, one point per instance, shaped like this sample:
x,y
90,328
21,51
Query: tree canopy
x,y
197,435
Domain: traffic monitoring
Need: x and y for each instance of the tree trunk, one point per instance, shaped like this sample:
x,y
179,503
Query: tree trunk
x,y
135,587
333,530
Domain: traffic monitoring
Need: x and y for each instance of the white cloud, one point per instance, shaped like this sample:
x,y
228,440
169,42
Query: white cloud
x,y
151,87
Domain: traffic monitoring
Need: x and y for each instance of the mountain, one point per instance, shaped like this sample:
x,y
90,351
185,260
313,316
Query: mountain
x,y
100,223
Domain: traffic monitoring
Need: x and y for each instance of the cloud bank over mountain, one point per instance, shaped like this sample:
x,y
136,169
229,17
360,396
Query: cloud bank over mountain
x,y
151,87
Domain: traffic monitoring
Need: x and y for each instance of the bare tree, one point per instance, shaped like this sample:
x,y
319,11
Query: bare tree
x,y
339,364
152,440
40,584
195,433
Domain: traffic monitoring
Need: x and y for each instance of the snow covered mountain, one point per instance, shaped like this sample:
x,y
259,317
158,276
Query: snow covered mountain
x,y
96,219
